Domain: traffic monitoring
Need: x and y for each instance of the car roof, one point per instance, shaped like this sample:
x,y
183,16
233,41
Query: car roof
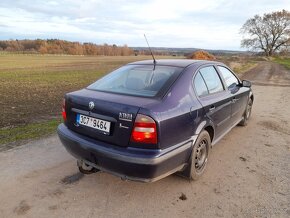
x,y
174,62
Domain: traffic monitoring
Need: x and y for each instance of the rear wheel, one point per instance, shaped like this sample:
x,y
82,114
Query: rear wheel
x,y
199,155
85,168
247,113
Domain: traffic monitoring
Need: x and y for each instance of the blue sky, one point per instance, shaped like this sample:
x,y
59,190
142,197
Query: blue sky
x,y
209,24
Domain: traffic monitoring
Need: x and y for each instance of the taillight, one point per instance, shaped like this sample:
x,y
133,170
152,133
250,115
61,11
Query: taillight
x,y
63,110
144,130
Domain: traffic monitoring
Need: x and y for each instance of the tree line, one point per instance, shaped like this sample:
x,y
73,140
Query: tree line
x,y
56,46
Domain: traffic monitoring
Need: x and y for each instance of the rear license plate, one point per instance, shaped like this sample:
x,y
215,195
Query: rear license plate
x,y
103,126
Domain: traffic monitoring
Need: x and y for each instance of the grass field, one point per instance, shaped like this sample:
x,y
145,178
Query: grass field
x,y
283,61
32,88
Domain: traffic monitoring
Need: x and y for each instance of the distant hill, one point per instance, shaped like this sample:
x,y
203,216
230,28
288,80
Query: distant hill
x,y
183,51
57,46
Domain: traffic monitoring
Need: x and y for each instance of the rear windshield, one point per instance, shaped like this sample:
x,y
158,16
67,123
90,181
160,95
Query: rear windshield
x,y
140,80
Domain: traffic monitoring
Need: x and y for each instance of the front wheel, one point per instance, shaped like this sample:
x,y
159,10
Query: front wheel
x,y
199,155
247,113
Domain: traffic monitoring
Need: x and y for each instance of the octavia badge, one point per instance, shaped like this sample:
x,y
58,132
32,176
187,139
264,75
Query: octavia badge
x,y
91,105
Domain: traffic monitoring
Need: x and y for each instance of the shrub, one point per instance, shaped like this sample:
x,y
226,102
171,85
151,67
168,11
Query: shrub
x,y
201,55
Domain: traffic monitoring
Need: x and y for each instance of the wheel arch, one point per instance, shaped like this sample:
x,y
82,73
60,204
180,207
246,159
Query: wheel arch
x,y
210,131
251,96
208,126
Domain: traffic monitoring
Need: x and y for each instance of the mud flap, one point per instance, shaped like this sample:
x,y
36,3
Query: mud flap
x,y
186,173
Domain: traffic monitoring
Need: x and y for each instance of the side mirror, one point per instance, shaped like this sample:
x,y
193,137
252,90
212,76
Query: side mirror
x,y
246,83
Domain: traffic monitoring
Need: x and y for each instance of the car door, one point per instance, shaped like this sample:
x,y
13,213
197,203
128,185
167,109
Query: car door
x,y
214,98
238,93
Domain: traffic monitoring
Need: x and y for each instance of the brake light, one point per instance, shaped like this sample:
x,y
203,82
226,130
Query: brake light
x,y
144,130
63,110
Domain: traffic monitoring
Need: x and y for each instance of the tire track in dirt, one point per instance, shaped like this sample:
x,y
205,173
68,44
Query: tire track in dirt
x,y
268,73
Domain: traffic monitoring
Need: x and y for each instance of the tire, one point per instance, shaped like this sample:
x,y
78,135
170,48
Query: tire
x,y
247,113
199,155
86,169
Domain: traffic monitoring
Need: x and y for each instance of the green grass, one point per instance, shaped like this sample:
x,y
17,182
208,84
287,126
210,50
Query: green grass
x,y
284,61
239,64
25,132
244,66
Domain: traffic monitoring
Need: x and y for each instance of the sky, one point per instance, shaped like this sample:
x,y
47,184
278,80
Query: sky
x,y
207,24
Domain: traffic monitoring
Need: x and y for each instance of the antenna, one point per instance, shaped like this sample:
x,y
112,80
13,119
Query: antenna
x,y
154,61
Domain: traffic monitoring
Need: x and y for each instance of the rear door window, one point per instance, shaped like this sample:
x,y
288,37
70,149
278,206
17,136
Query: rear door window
x,y
212,79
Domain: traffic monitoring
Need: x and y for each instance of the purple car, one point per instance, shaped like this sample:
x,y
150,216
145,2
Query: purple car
x,y
147,120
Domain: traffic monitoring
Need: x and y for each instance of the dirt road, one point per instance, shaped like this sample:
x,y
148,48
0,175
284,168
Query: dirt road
x,y
247,175
269,74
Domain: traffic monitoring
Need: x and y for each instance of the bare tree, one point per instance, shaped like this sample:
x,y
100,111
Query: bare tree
x,y
269,33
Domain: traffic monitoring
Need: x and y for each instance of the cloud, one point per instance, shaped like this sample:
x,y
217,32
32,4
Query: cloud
x,y
185,23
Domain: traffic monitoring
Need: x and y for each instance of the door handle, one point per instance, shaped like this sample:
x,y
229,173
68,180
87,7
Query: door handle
x,y
211,108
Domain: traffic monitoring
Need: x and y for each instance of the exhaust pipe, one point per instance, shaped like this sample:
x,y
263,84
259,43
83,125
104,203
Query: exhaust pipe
x,y
85,168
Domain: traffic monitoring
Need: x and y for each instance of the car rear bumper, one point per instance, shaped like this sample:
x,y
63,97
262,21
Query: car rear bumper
x,y
145,165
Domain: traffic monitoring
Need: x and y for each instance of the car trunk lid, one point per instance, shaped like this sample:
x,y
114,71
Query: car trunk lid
x,y
117,112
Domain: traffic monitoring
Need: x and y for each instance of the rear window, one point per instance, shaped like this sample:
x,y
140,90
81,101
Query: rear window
x,y
140,80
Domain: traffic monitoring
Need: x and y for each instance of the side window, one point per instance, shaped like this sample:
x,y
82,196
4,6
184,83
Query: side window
x,y
199,85
229,77
212,79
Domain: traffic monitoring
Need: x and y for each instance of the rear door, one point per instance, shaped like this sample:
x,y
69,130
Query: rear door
x,y
215,100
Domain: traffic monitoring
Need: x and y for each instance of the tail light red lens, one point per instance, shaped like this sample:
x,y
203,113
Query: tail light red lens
x,y
144,130
63,110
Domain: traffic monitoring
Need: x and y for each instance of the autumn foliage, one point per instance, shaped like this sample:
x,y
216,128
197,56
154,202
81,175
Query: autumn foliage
x,y
201,55
56,46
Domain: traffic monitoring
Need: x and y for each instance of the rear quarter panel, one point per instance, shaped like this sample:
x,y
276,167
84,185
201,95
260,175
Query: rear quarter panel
x,y
179,112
